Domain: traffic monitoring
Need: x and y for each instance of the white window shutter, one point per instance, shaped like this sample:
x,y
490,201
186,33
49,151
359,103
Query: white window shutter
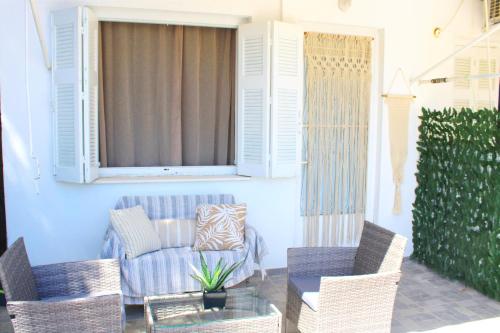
x,y
253,109
463,68
287,98
479,93
67,94
90,96
486,68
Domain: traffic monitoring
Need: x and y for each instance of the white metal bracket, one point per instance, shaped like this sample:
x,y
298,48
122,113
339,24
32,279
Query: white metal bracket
x,y
39,30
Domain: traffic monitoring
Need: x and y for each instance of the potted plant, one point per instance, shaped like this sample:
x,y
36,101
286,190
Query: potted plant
x,y
212,283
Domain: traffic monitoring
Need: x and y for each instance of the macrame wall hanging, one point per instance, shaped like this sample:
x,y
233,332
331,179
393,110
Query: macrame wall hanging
x,y
337,105
399,107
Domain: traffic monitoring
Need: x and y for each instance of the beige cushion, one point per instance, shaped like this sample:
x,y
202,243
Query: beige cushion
x,y
135,231
175,232
220,227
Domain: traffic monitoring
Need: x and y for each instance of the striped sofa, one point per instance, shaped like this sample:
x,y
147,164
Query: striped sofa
x,y
168,271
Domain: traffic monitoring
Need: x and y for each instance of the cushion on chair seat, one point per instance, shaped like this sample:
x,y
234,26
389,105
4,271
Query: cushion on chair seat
x,y
78,296
307,287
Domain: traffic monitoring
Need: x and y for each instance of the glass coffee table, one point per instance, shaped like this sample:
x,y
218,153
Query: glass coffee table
x,y
246,311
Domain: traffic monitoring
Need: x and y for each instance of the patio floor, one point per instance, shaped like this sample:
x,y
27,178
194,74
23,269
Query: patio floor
x,y
425,302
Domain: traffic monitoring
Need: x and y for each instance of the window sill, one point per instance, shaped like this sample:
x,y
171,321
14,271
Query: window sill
x,y
167,179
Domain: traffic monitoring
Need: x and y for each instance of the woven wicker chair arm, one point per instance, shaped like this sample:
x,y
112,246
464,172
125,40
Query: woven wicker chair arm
x,y
358,296
78,278
320,261
102,313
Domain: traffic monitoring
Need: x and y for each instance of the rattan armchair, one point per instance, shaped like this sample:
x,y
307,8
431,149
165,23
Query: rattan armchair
x,y
346,289
67,297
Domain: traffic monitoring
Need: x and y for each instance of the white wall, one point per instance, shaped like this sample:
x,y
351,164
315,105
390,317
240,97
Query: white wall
x,y
62,222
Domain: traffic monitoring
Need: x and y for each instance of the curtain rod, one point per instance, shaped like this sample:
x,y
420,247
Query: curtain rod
x,y
455,78
476,40
34,11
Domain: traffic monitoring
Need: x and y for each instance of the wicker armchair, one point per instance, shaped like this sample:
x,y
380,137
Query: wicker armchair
x,y
346,289
67,297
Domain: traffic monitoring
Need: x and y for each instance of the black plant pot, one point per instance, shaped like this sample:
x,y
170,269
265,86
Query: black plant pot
x,y
214,299
3,302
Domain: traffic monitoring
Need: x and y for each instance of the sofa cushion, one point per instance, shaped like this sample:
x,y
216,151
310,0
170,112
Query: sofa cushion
x,y
135,231
220,227
307,287
175,232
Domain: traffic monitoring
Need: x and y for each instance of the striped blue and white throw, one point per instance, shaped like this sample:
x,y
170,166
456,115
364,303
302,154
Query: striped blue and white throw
x,y
168,271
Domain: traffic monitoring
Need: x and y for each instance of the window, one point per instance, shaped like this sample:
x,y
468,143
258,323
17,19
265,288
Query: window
x,y
480,93
166,95
124,106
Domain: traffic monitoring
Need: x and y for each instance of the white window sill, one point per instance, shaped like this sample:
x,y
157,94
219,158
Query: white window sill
x,y
167,179
203,171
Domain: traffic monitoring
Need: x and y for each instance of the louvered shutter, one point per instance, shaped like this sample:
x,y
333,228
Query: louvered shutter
x,y
463,68
67,94
287,98
485,68
253,110
90,100
478,93
486,90
463,94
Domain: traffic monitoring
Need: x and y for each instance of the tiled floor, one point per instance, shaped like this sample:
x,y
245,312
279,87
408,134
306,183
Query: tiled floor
x,y
425,302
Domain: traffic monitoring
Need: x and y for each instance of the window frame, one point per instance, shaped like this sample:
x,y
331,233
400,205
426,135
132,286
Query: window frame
x,y
132,15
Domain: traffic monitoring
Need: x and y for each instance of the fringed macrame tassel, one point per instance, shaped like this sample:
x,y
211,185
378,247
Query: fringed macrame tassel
x,y
396,209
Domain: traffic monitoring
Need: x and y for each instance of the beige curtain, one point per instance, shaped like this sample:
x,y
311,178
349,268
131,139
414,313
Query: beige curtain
x,y
166,95
338,80
399,109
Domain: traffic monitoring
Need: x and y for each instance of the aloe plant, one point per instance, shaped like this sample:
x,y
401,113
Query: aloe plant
x,y
214,281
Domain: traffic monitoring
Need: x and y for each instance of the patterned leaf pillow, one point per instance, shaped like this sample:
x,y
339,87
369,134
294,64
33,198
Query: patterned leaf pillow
x,y
220,227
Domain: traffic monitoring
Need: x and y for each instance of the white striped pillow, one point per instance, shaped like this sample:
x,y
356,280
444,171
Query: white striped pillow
x,y
175,232
135,231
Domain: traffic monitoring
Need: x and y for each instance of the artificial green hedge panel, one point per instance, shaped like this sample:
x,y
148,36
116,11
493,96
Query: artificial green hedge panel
x,y
456,215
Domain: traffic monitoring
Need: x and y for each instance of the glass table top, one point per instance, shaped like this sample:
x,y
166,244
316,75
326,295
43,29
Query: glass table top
x,y
187,309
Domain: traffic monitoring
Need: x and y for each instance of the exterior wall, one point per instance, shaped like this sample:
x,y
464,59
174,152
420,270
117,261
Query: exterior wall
x,y
63,222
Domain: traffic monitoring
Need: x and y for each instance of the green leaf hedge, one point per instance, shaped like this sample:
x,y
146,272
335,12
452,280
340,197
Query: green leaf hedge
x,y
456,214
